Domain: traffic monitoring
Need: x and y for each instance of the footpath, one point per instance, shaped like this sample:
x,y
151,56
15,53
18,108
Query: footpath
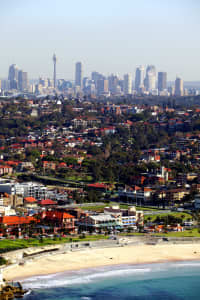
x,y
22,256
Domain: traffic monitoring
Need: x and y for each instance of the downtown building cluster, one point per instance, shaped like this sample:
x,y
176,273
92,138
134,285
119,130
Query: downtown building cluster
x,y
17,80
147,81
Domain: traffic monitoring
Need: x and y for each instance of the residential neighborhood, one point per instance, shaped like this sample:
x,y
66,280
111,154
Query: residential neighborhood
x,y
80,151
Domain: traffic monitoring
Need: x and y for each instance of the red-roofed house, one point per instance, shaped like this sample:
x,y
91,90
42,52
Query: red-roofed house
x,y
60,220
46,202
14,224
62,165
30,202
12,163
16,220
49,165
98,186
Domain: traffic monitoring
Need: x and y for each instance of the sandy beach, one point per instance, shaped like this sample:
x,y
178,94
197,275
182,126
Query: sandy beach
x,y
88,258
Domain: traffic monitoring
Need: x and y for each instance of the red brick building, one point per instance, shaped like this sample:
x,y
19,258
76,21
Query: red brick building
x,y
60,220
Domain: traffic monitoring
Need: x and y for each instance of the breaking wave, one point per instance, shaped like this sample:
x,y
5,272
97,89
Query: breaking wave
x,y
87,276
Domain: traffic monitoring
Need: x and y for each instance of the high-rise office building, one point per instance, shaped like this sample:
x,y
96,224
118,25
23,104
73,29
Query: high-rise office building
x,y
85,82
102,86
127,84
13,76
90,89
162,81
139,78
54,71
95,76
179,90
113,83
22,80
150,79
78,74
5,84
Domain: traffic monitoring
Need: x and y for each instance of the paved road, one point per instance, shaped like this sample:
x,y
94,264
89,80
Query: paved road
x,y
157,212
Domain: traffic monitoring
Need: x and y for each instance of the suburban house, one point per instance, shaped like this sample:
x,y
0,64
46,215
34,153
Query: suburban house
x,y
30,202
47,202
49,165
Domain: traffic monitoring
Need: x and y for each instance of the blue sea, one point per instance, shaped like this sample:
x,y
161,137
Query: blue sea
x,y
170,280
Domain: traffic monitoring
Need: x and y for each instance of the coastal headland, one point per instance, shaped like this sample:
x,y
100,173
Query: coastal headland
x,y
27,263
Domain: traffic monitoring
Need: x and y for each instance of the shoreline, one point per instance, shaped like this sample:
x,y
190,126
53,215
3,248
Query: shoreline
x,y
99,267
55,262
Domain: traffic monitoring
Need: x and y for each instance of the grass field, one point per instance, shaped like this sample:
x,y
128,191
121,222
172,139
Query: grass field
x,y
184,216
100,207
9,245
187,233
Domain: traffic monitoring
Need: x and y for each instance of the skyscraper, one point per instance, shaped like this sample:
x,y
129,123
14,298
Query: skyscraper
x,y
179,87
162,81
150,79
127,84
54,70
139,78
85,82
78,74
102,86
22,80
13,76
113,83
5,85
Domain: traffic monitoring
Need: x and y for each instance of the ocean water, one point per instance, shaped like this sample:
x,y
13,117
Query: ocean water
x,y
170,280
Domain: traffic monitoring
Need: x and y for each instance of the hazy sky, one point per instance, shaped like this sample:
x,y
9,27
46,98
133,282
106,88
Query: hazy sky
x,y
109,36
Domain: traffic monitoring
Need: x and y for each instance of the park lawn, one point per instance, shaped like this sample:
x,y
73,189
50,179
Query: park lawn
x,y
187,233
184,216
100,207
148,208
10,245
97,208
79,177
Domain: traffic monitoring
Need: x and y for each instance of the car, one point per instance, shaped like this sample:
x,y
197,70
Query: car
x,y
189,223
112,237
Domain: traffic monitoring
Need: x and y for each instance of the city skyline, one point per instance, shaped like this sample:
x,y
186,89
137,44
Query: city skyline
x,y
112,37
78,75
147,81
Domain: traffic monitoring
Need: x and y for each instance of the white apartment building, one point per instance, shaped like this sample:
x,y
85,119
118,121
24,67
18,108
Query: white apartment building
x,y
25,189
